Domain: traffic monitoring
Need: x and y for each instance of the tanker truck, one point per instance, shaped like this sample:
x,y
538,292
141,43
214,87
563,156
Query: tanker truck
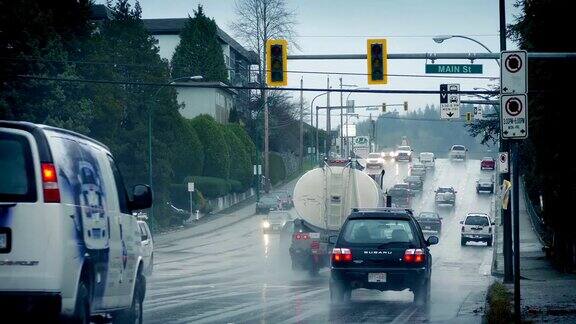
x,y
323,198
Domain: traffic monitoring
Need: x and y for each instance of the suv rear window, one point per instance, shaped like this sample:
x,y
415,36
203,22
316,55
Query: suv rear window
x,y
17,180
378,231
476,221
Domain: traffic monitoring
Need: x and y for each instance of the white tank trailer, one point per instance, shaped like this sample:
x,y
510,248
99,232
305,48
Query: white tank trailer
x,y
323,199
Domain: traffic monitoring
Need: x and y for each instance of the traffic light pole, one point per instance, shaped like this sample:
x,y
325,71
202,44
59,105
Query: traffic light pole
x,y
328,125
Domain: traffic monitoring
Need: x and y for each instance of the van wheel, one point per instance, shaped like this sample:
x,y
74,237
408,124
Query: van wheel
x,y
133,315
82,309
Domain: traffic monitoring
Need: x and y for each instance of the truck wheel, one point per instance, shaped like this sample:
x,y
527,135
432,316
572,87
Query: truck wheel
x,y
133,315
462,241
489,242
422,293
82,309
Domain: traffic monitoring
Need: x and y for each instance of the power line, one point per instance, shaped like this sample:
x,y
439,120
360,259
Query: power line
x,y
160,67
387,36
248,87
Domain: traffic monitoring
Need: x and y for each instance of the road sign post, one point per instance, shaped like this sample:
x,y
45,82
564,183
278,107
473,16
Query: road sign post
x,y
449,102
191,191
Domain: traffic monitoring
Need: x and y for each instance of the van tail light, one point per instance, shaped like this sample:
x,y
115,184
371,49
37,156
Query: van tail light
x,y
301,236
50,183
414,256
341,255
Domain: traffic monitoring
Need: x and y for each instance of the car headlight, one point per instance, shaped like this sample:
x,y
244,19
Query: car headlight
x,y
265,224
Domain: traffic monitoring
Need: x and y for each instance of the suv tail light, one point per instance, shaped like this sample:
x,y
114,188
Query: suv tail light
x,y
490,229
414,256
463,228
301,236
50,183
341,255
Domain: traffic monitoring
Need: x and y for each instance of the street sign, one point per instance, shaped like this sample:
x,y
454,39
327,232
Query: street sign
x,y
503,162
514,116
454,68
191,186
449,102
514,72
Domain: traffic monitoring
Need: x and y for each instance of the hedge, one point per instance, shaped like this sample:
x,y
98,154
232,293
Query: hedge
x,y
241,167
216,153
277,168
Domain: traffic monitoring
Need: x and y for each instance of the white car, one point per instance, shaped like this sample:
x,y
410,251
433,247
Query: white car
x,y
147,246
458,153
375,160
477,227
69,244
404,153
428,159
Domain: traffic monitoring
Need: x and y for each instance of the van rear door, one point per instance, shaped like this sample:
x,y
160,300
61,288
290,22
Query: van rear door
x,y
25,232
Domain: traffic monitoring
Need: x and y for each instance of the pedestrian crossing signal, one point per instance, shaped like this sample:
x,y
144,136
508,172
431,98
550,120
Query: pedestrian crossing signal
x,y
276,62
405,105
377,54
383,107
468,117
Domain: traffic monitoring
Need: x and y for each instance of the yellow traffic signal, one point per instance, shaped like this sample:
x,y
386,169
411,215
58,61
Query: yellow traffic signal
x,y
468,117
405,105
276,62
377,54
383,107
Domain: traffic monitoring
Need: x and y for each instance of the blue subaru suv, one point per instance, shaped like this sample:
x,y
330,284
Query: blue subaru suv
x,y
381,249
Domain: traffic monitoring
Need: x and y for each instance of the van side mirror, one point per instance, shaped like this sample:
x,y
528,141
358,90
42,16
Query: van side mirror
x,y
141,197
461,222
332,239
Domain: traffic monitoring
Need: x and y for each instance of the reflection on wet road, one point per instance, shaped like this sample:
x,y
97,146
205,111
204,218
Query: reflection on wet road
x,y
237,274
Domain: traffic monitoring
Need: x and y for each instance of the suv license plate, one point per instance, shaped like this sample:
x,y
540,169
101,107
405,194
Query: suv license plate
x,y
377,277
3,241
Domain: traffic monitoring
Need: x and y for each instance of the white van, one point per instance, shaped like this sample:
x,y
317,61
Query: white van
x,y
428,159
69,245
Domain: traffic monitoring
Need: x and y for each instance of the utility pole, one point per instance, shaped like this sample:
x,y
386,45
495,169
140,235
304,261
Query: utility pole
x,y
301,123
341,121
506,215
328,126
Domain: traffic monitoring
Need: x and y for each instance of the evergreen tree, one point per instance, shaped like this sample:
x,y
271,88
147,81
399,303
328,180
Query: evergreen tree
x,y
241,169
199,51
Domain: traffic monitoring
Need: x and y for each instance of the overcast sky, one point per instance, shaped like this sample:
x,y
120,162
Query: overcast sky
x,y
342,27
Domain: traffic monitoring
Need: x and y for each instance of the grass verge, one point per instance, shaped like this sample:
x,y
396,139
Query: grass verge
x,y
499,308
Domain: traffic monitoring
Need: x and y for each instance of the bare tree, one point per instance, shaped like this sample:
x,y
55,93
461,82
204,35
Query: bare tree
x,y
260,20
256,22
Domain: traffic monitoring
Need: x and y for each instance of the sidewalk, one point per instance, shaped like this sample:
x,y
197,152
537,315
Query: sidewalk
x,y
546,294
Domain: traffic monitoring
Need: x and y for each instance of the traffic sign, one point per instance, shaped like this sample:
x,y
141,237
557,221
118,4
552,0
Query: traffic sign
x,y
449,102
514,116
514,72
503,162
454,68
191,186
478,113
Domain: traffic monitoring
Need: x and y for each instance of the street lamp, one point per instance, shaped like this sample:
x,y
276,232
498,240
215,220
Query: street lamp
x,y
188,78
347,137
441,38
312,121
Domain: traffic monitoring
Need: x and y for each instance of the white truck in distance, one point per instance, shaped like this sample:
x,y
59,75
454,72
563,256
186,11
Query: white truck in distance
x,y
323,198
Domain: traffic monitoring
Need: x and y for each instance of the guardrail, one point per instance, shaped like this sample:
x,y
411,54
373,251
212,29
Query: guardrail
x,y
537,222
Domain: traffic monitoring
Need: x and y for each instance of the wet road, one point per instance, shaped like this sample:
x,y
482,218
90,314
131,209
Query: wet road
x,y
236,274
